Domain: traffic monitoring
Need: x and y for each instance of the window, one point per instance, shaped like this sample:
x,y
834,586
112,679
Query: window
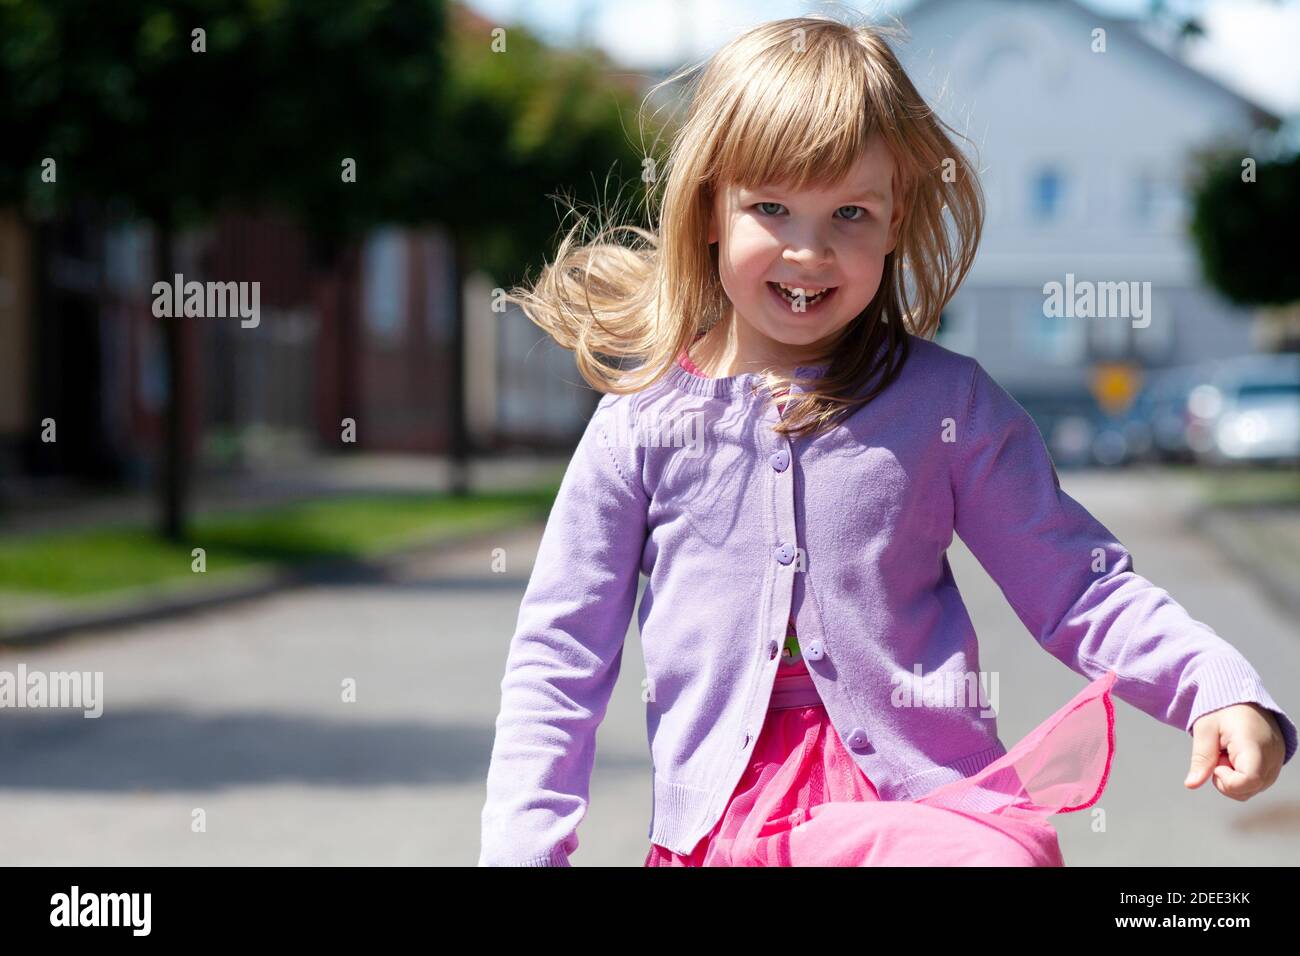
x,y
1171,207
384,284
1144,197
1155,342
1050,339
1047,201
1157,201
127,258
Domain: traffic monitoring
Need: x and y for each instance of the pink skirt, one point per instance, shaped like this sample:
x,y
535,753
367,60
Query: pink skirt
x,y
804,802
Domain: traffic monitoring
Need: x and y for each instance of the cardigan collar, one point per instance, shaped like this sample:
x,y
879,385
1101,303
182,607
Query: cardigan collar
x,y
732,387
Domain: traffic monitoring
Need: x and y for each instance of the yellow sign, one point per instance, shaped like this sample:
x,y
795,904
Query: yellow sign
x,y
1115,385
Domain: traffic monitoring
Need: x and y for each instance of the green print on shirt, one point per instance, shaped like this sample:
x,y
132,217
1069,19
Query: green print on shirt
x,y
790,654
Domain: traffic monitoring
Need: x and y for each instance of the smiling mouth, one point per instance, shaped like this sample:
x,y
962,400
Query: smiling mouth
x,y
792,298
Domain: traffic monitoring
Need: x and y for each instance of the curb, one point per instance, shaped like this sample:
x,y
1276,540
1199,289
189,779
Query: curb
x,y
1220,527
260,584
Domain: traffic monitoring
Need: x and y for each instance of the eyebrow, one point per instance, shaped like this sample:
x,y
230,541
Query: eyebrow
x,y
871,193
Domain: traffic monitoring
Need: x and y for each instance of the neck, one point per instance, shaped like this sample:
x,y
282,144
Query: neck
x,y
731,348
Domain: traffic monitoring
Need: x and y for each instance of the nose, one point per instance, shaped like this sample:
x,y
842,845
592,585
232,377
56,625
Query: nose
x,y
808,251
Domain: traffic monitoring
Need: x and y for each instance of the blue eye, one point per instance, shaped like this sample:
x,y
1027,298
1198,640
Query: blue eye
x,y
759,206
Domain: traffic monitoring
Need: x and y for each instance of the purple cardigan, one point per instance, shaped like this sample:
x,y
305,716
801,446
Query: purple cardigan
x,y
736,529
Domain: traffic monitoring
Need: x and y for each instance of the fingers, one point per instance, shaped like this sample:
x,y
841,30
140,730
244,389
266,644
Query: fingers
x,y
1205,751
1245,774
1235,784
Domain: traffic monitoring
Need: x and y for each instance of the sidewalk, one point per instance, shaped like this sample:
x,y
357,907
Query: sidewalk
x,y
1260,540
40,621
54,505
1264,542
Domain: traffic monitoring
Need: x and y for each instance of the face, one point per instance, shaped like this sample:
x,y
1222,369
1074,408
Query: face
x,y
834,238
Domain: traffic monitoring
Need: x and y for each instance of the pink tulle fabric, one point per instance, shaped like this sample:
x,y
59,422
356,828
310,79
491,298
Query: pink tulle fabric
x,y
804,802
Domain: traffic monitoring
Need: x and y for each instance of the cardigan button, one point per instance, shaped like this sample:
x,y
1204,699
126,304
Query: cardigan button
x,y
814,651
785,554
780,459
857,738
772,648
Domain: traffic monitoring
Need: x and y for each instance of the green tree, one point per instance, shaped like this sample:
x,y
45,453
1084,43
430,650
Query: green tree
x,y
140,110
521,125
1243,221
546,123
442,127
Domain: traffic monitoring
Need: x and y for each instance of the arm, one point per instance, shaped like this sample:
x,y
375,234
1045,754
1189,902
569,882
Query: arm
x,y
564,657
1073,584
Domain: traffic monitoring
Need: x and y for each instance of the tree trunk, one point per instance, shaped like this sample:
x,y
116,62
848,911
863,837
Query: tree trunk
x,y
350,359
458,434
174,471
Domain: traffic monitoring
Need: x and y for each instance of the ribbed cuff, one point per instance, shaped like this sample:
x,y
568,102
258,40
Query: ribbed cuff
x,y
556,857
1224,681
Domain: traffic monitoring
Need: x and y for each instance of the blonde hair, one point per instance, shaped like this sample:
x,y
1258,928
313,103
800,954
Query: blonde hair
x,y
790,101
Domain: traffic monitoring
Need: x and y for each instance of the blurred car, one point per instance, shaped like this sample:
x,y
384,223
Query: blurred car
x,y
1154,426
1248,411
1122,439
1163,406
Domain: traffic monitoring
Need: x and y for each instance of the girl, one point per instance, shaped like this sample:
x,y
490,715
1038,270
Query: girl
x,y
786,458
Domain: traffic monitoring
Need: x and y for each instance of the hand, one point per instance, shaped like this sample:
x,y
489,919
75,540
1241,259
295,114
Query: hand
x,y
1241,746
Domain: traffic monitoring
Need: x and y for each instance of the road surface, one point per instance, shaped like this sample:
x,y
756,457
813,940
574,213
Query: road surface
x,y
236,719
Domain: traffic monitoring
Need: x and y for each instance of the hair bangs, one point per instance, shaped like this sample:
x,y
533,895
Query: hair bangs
x,y
807,128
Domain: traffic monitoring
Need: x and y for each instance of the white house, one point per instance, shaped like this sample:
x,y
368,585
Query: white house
x,y
1082,130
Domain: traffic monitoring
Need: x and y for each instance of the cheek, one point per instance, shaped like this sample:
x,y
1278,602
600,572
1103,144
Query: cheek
x,y
873,240
749,254
871,269
871,249
864,279
871,280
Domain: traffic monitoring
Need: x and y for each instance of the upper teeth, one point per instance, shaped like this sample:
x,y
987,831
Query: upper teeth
x,y
801,291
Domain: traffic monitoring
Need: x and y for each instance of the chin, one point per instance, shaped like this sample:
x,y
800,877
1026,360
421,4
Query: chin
x,y
799,337
798,333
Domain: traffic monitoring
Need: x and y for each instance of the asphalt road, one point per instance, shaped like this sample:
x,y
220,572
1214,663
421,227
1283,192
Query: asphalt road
x,y
237,718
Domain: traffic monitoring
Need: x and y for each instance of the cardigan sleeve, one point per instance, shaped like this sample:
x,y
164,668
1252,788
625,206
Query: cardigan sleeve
x,y
1073,584
564,656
